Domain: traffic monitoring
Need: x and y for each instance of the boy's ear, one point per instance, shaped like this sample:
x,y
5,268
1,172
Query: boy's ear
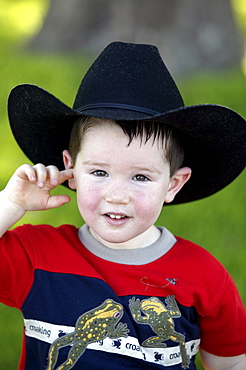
x,y
177,181
68,163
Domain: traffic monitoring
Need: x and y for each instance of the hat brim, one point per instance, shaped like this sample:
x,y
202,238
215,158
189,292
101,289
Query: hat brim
x,y
213,136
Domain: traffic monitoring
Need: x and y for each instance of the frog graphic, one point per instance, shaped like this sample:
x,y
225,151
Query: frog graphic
x,y
92,326
159,317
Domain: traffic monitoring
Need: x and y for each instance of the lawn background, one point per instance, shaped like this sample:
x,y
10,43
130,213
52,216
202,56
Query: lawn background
x,y
217,223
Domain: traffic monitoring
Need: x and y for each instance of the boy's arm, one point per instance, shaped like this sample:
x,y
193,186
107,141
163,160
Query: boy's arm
x,y
29,190
212,362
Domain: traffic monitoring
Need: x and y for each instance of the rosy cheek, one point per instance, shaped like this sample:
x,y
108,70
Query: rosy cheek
x,y
143,198
88,198
148,207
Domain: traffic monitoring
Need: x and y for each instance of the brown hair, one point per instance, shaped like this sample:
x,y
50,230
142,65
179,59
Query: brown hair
x,y
173,152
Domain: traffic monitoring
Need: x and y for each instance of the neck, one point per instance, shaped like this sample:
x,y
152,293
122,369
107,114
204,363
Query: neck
x,y
148,237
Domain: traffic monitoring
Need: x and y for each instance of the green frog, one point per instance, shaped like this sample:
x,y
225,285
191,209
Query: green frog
x,y
92,326
160,318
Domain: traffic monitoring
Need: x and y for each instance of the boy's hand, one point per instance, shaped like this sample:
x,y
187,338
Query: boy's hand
x,y
29,188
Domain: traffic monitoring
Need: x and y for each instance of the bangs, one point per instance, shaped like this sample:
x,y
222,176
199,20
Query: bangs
x,y
146,130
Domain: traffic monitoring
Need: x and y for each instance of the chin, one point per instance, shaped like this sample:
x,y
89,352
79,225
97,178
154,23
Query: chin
x,y
115,240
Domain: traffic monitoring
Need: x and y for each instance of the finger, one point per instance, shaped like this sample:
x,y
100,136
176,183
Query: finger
x,y
26,171
41,174
57,201
66,175
53,174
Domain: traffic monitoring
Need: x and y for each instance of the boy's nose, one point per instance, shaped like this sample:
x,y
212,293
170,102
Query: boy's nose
x,y
117,193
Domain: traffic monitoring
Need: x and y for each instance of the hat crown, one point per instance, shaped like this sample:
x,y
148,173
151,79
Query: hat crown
x,y
128,76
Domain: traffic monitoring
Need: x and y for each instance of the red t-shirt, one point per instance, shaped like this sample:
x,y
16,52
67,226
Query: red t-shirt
x,y
54,279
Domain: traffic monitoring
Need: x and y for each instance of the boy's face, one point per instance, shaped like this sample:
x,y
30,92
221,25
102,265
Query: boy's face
x,y
121,188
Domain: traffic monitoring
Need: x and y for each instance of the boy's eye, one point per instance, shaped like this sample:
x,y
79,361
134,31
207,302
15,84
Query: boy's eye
x,y
100,173
140,178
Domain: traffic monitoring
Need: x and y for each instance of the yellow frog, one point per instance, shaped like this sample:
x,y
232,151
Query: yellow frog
x,y
94,325
160,318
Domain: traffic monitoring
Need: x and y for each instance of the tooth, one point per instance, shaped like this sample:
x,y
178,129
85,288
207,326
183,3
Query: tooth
x,y
117,217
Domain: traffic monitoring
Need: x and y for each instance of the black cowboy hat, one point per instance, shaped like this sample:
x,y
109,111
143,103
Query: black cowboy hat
x,y
131,82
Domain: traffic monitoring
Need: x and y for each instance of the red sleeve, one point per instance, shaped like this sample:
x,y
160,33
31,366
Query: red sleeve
x,y
17,260
223,329
221,313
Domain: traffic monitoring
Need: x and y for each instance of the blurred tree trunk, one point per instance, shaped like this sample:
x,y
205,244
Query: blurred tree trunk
x,y
191,35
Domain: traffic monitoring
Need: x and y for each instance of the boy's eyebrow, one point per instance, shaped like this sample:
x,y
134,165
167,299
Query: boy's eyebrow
x,y
146,169
92,163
